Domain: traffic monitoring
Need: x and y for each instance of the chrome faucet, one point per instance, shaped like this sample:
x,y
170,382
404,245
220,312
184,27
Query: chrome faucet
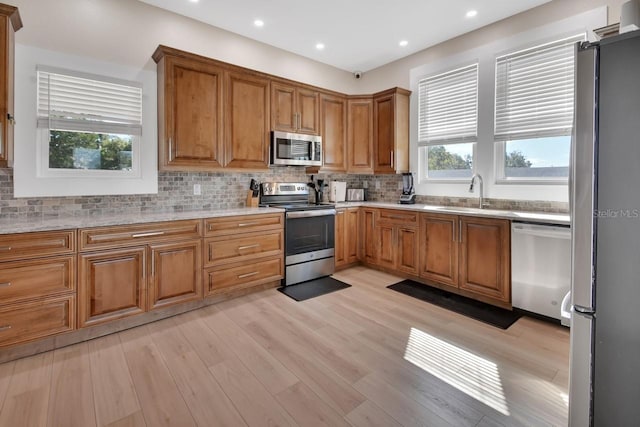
x,y
473,180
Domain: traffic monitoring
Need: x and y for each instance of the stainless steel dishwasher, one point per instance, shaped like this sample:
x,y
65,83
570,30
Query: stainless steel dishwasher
x,y
541,268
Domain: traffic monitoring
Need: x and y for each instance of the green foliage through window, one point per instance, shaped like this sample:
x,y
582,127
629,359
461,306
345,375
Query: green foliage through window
x,y
87,150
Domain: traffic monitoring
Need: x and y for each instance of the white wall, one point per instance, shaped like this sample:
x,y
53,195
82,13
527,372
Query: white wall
x,y
27,183
397,72
127,32
485,147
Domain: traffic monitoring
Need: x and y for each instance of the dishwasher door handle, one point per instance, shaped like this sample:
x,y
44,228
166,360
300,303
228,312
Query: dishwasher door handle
x,y
542,231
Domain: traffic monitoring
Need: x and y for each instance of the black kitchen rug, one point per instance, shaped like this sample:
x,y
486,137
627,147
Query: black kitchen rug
x,y
494,316
313,288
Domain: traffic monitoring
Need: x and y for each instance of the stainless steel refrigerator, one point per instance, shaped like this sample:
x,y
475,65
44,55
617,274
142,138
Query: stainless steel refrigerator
x,y
604,378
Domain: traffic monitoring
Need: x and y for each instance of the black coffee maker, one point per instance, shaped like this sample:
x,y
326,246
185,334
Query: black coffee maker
x,y
408,196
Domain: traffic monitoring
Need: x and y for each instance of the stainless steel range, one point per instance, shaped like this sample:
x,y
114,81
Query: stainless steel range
x,y
309,231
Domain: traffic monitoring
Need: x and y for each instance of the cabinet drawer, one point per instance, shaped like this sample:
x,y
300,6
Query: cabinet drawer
x,y
397,217
245,247
243,224
218,279
31,245
26,322
128,235
22,280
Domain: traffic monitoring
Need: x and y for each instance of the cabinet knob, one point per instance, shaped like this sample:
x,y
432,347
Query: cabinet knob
x,y
11,119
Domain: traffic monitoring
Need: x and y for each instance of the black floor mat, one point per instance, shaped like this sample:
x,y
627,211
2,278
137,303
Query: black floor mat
x,y
495,316
313,288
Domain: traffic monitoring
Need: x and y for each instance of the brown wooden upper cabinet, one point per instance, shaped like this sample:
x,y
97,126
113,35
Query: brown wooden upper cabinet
x,y
246,120
10,22
391,131
190,128
360,135
294,109
333,129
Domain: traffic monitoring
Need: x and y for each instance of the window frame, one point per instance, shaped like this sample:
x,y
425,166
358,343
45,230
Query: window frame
x,y
43,134
423,146
500,145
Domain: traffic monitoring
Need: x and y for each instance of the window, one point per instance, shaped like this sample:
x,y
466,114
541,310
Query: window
x,y
88,125
534,112
448,124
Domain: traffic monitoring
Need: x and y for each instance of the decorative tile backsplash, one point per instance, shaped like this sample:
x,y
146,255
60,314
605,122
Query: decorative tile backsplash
x,y
220,190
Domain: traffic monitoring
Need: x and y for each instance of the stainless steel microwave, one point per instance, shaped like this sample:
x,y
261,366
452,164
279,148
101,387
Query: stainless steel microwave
x,y
295,149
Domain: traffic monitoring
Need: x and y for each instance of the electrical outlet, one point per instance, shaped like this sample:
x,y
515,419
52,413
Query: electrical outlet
x,y
365,184
400,186
197,190
377,184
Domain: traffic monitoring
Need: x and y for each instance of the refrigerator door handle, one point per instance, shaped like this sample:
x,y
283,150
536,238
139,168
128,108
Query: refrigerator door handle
x,y
586,311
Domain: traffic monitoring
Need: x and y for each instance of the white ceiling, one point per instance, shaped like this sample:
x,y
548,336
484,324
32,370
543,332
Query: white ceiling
x,y
359,35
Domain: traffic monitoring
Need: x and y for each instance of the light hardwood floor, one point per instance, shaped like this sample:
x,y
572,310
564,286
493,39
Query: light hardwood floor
x,y
363,356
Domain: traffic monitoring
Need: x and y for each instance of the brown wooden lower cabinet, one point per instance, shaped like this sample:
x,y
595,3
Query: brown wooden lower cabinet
x,y
36,278
175,273
468,254
439,252
20,323
368,236
112,285
484,257
222,279
347,239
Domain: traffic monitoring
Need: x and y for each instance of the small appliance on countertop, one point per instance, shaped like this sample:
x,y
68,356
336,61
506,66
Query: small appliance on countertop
x,y
356,195
337,191
408,196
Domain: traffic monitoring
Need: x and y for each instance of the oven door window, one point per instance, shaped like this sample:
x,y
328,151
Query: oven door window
x,y
309,234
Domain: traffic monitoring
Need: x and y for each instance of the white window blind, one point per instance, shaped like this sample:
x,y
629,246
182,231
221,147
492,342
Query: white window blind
x,y
535,92
448,107
85,103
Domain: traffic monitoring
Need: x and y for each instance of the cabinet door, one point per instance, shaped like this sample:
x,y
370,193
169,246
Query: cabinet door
x,y
308,111
191,123
369,251
360,135
386,236
333,120
283,107
7,77
112,285
176,273
485,258
246,121
383,134
341,238
407,249
352,226
439,253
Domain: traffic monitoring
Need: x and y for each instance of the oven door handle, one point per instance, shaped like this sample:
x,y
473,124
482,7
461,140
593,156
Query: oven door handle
x,y
310,214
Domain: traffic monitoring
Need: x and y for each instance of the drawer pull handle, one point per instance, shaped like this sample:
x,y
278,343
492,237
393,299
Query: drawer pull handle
x,y
242,248
5,248
5,328
247,224
5,284
242,276
154,233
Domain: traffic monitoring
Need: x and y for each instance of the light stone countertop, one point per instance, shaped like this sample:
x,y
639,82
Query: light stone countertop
x,y
539,217
48,224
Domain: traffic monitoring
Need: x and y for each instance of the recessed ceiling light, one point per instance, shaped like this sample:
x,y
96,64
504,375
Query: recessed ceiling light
x,y
403,43
471,13
320,46
194,1
258,23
